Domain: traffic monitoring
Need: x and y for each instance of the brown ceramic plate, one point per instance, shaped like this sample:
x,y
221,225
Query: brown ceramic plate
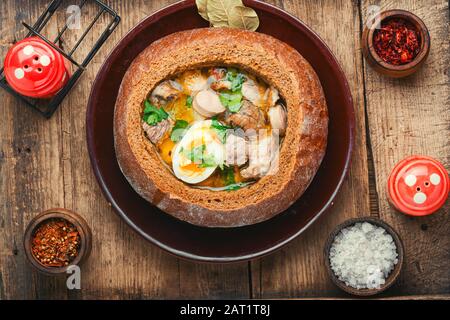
x,y
215,244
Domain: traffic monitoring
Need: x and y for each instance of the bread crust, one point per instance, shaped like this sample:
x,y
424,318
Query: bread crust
x,y
273,61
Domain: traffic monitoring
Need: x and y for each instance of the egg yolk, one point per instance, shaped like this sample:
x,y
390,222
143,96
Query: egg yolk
x,y
165,150
192,168
180,111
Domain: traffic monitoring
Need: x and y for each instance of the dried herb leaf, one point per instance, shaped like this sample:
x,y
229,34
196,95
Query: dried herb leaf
x,y
243,18
201,6
219,11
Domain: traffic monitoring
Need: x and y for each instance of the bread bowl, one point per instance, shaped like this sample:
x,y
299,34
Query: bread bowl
x,y
265,57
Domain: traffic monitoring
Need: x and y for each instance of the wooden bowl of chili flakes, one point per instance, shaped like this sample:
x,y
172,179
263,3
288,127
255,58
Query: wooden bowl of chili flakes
x,y
57,239
395,43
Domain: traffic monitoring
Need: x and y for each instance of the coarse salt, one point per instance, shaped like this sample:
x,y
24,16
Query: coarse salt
x,y
363,255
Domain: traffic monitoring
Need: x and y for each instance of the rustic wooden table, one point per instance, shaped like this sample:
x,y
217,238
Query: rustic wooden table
x,y
45,164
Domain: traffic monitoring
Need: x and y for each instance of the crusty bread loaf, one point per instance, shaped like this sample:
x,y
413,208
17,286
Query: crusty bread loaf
x,y
274,62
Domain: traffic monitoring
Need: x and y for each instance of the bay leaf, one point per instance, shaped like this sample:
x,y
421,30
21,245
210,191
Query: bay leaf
x,y
219,11
243,18
201,7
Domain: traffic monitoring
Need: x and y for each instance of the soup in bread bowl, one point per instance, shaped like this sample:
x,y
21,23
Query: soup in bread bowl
x,y
220,127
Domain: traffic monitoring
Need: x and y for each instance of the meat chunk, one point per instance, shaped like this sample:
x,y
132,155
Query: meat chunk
x,y
271,96
194,81
248,117
277,117
221,85
263,153
218,73
157,132
235,150
164,92
250,91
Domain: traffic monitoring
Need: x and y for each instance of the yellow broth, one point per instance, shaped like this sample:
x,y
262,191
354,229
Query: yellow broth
x,y
178,109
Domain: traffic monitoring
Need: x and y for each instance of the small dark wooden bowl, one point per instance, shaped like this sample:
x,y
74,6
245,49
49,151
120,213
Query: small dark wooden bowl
x,y
72,217
379,64
392,276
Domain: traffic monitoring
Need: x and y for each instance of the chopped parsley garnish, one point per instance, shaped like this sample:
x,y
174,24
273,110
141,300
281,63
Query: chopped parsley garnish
x,y
197,155
153,115
208,160
220,129
232,101
178,131
236,81
228,175
189,100
235,186
232,71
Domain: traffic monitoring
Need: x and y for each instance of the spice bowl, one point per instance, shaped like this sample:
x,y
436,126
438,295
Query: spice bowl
x,y
394,273
62,215
374,59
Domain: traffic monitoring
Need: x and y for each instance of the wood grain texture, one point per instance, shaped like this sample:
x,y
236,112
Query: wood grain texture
x,y
44,164
30,172
411,116
298,270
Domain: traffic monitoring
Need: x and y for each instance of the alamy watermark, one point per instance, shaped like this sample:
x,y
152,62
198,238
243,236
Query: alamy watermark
x,y
259,147
74,279
73,21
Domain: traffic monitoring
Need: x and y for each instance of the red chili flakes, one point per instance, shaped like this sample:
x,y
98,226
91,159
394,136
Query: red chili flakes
x,y
55,243
397,42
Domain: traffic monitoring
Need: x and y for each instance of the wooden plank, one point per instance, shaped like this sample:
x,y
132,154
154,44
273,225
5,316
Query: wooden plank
x,y
423,297
411,116
30,172
122,264
298,270
45,164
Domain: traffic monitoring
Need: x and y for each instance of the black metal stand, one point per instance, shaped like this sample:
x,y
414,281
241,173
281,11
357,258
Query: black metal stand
x,y
47,107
